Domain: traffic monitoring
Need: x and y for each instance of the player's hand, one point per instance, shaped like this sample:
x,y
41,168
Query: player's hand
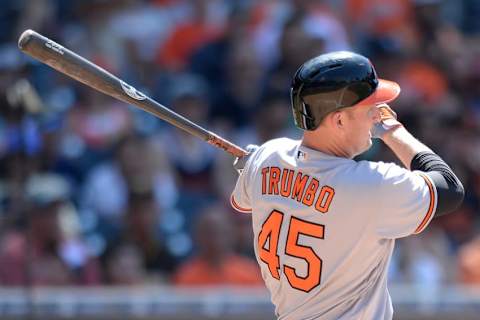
x,y
388,121
239,163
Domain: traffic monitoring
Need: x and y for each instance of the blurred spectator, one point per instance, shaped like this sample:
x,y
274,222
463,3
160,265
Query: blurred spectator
x,y
49,251
215,262
99,121
384,23
295,46
124,266
38,15
142,229
189,35
469,262
191,159
425,259
20,135
243,234
11,10
321,22
239,96
459,227
136,168
423,82
272,121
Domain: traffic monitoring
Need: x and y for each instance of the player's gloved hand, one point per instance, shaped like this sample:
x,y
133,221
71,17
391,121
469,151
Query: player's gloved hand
x,y
239,162
388,121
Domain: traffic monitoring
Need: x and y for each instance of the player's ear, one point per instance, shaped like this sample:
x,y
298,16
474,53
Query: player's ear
x,y
337,120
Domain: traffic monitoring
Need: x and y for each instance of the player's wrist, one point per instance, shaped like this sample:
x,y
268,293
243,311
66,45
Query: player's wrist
x,y
390,130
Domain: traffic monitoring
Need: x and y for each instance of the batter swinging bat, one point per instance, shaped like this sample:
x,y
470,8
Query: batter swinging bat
x,y
83,70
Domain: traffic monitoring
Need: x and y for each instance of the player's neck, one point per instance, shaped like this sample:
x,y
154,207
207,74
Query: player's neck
x,y
316,140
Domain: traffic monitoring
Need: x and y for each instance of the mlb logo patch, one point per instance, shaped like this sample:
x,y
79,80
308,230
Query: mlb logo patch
x,y
301,155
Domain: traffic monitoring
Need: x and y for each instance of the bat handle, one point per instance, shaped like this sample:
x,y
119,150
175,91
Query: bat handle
x,y
226,145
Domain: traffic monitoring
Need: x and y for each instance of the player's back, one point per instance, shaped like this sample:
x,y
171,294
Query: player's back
x,y
321,252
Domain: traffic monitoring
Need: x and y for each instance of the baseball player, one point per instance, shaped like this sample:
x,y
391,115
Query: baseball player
x,y
324,224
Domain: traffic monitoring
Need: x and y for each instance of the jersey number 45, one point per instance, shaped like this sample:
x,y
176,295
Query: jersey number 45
x,y
270,232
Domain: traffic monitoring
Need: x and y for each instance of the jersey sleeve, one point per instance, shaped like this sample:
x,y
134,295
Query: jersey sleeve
x,y
407,202
241,195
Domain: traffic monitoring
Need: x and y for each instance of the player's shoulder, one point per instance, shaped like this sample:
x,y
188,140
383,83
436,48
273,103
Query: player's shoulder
x,y
379,170
365,177
279,146
275,150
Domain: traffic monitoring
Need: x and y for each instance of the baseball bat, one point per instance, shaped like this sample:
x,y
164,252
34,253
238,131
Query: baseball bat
x,y
85,71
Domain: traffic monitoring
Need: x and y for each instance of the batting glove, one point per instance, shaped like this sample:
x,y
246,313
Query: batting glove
x,y
388,121
239,162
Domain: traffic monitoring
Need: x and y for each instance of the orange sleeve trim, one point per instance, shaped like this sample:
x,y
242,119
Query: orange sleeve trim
x,y
431,206
237,207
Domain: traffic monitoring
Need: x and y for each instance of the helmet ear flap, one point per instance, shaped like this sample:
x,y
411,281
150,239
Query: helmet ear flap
x,y
302,112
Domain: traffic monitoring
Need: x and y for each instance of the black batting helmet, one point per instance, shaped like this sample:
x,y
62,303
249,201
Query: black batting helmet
x,y
333,81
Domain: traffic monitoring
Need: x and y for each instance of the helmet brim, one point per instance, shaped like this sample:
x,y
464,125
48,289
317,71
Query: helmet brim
x,y
386,91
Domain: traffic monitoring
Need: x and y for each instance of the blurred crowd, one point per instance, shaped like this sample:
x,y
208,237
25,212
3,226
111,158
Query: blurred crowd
x,y
96,192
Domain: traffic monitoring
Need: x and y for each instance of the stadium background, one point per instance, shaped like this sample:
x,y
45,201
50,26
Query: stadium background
x,y
108,213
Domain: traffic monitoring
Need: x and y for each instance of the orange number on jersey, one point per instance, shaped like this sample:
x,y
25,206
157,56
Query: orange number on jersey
x,y
312,279
270,233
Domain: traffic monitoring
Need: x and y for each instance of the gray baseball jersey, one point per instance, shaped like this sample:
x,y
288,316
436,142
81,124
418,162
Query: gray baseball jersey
x,y
325,226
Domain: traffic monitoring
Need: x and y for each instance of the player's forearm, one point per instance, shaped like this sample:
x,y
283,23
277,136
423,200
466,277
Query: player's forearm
x,y
404,145
417,156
